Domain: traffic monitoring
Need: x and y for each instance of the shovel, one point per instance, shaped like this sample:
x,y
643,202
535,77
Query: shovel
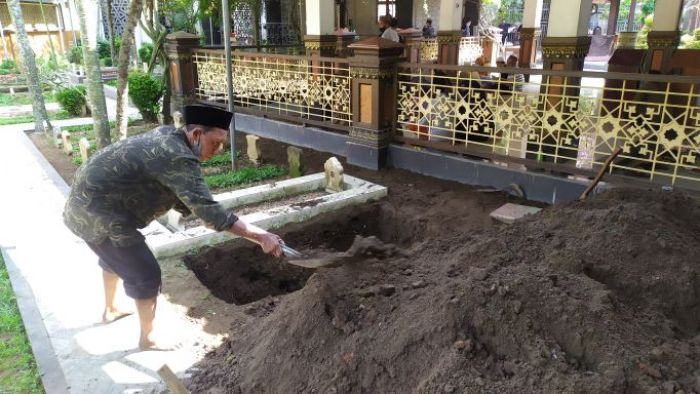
x,y
297,258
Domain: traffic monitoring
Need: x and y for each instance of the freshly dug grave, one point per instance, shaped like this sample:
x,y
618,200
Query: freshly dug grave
x,y
595,297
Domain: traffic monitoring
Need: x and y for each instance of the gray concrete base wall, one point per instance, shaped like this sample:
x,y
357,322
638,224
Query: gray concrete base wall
x,y
537,186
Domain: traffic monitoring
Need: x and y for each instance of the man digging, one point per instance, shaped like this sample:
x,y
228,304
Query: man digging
x,y
132,182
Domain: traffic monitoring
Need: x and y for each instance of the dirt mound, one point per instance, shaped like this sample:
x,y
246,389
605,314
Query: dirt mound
x,y
601,296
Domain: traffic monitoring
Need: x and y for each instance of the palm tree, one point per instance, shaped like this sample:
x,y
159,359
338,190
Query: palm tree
x,y
95,89
38,106
135,9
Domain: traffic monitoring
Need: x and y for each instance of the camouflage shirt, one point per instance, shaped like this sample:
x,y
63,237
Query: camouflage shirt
x,y
132,182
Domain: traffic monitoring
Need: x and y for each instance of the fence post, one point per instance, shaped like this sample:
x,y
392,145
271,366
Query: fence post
x,y
448,46
183,76
323,45
413,38
373,73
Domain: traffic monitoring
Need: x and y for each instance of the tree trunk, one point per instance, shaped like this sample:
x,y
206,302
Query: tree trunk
x,y
135,9
38,106
95,90
48,33
107,12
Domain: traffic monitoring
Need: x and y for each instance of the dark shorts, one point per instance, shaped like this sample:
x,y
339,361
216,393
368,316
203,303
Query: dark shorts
x,y
135,264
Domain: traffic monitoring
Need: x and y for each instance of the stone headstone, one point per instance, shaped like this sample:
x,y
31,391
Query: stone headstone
x,y
67,144
254,152
509,213
55,134
294,160
174,220
178,119
334,175
84,145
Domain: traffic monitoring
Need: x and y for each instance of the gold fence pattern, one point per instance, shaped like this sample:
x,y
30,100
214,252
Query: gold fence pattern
x,y
290,87
428,50
570,120
470,49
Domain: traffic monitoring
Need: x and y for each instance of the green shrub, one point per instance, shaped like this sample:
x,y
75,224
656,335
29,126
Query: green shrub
x,y
145,52
72,100
106,62
8,66
145,91
103,49
221,159
242,176
75,54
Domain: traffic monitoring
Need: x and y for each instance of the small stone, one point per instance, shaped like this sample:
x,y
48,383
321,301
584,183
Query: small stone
x,y
478,273
503,290
449,388
661,242
649,370
460,345
418,284
294,160
479,381
387,290
657,354
669,387
680,392
408,272
517,306
367,292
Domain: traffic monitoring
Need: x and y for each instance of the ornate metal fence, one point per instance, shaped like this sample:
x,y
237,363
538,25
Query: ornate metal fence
x,y
563,120
315,90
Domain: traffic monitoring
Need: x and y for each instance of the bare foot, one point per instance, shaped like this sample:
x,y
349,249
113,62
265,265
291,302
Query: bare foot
x,y
110,315
152,342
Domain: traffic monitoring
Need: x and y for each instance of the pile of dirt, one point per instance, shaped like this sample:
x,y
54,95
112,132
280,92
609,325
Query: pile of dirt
x,y
601,296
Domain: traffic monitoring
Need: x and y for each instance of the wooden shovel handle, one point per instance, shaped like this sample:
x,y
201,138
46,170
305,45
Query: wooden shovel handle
x,y
601,173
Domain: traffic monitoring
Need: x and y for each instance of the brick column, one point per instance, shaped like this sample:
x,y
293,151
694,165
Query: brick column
x,y
183,75
373,73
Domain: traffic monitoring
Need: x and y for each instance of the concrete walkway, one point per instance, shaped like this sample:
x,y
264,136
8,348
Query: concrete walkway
x,y
58,284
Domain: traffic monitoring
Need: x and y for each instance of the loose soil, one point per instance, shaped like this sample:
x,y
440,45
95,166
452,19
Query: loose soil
x,y
601,296
62,163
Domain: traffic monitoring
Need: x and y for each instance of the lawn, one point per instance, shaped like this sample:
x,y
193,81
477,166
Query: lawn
x,y
243,176
30,118
22,98
18,372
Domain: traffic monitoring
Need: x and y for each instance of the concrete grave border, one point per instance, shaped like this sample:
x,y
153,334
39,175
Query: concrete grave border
x,y
166,243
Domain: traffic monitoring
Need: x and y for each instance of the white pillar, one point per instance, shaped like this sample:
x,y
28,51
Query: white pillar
x,y
532,13
569,18
667,15
319,17
450,15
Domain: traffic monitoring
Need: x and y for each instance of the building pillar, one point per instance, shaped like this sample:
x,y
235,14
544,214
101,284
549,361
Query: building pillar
x,y
412,39
178,47
373,73
449,32
567,42
612,17
664,37
529,33
342,42
320,39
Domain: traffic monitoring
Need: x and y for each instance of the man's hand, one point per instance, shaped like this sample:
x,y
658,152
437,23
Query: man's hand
x,y
270,243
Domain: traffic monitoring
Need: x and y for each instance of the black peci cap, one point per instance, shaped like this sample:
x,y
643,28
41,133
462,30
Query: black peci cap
x,y
207,116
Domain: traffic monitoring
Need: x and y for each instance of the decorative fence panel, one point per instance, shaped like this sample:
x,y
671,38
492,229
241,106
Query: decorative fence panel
x,y
571,121
313,90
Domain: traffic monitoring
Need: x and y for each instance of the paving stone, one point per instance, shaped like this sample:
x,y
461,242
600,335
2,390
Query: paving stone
x,y
509,213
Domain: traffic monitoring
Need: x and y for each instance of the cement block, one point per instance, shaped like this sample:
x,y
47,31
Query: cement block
x,y
84,146
510,213
67,144
294,160
253,151
334,175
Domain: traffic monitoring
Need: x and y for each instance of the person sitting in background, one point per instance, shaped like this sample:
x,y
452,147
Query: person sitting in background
x,y
428,29
467,27
515,80
386,29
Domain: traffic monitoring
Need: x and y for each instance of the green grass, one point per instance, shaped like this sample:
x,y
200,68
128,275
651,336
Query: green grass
x,y
243,176
222,159
30,118
18,373
22,98
112,83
